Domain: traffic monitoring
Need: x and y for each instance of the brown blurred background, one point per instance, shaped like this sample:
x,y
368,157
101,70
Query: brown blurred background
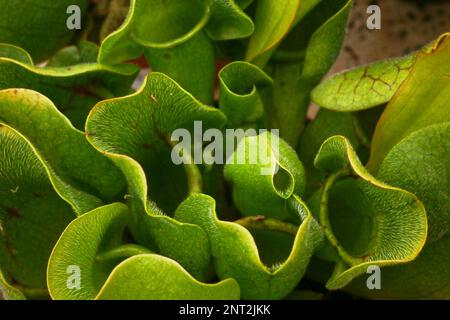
x,y
406,26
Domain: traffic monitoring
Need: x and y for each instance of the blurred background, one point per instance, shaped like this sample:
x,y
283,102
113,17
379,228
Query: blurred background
x,y
406,26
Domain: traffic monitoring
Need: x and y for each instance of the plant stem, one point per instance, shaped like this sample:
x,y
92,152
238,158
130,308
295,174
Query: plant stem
x,y
261,223
193,174
122,252
360,134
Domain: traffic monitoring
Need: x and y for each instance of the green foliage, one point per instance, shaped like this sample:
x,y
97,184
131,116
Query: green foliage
x,y
236,255
301,60
38,28
72,80
241,98
409,150
29,205
406,108
160,273
93,205
275,177
391,223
